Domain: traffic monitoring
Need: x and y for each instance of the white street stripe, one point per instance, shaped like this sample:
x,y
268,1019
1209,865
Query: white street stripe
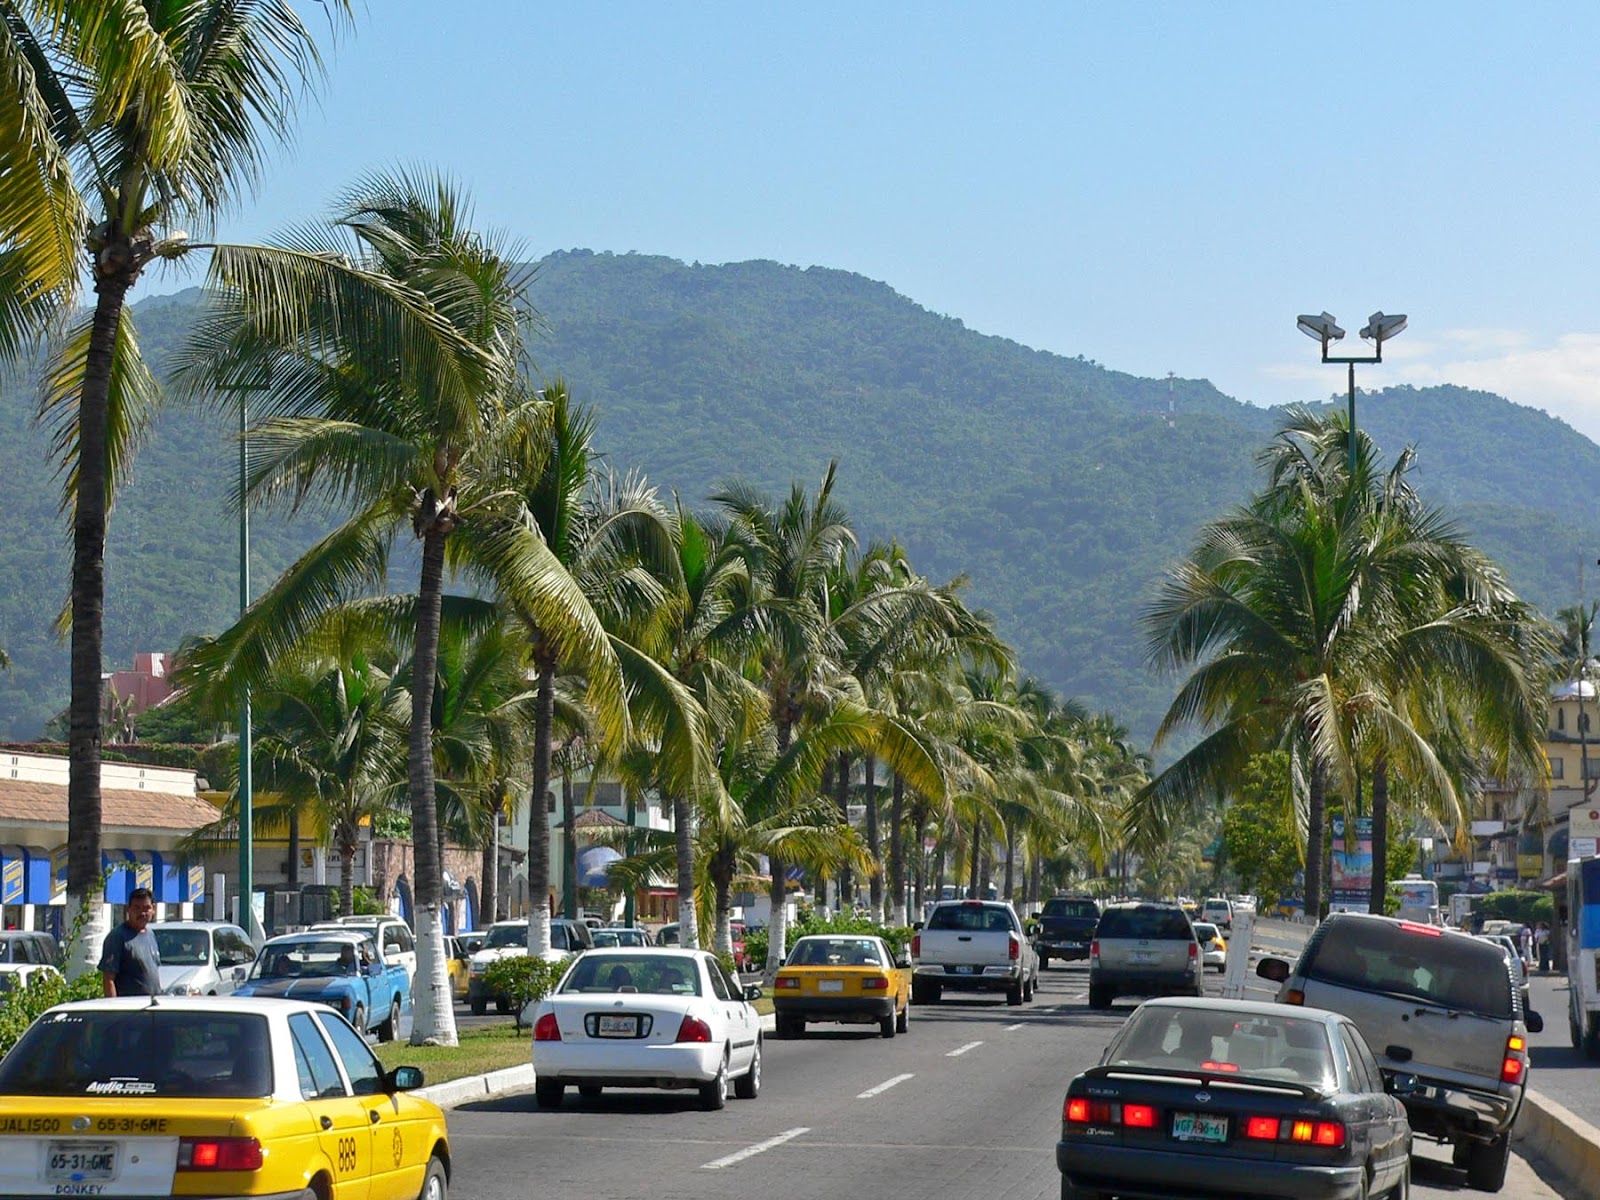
x,y
883,1087
752,1151
1013,1028
963,1049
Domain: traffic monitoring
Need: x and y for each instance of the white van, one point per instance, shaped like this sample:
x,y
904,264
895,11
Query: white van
x,y
1218,911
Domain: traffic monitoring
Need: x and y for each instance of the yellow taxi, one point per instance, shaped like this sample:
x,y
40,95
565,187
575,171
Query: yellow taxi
x,y
207,1096
458,961
850,978
1213,949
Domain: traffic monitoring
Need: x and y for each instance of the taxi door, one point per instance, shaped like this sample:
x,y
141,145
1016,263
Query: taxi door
x,y
344,1127
397,1138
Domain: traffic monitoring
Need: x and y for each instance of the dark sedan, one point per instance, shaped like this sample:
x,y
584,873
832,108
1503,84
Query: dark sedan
x,y
1233,1098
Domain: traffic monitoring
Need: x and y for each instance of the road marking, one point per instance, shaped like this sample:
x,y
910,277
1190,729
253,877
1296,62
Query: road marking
x,y
1013,1028
963,1049
883,1087
787,1135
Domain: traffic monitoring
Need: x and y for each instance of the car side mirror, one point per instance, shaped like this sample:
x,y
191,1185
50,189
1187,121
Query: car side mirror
x,y
1534,1021
918,925
1275,969
474,945
403,1079
753,992
1401,1083
238,974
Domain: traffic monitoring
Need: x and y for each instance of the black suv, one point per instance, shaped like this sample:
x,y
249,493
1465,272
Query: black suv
x,y
1064,927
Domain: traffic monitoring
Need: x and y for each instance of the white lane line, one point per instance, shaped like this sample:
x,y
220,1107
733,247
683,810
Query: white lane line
x,y
1014,1028
787,1135
884,1086
963,1049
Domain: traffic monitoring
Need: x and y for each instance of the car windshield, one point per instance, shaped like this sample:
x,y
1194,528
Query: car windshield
x,y
140,1052
1164,923
617,937
668,936
1216,1040
1058,907
971,917
835,952
183,947
1418,961
502,936
309,960
660,975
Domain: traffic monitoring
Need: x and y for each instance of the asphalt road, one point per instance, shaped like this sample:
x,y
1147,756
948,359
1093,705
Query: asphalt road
x,y
968,1104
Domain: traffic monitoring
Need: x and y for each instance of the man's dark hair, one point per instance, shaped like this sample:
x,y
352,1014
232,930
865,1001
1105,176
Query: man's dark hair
x,y
141,893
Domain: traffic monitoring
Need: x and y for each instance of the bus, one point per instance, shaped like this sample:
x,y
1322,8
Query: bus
x,y
1583,947
1419,899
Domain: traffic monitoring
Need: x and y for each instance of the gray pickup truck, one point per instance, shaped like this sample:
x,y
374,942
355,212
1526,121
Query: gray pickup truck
x,y
972,946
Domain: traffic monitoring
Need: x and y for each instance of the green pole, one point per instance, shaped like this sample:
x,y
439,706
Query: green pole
x,y
247,847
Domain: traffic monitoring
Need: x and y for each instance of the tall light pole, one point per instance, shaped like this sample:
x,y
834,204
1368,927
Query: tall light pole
x,y
1379,329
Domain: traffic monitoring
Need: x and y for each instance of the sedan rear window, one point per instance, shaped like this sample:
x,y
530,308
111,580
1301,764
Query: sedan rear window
x,y
141,1052
1161,923
1288,1048
651,974
1419,962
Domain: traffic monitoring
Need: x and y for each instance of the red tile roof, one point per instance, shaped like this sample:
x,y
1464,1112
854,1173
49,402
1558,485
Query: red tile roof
x,y
120,808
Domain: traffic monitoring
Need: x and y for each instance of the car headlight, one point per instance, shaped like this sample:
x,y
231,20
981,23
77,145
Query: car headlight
x,y
184,989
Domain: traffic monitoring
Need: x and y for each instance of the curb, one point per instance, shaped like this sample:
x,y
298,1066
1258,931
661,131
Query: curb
x,y
1558,1136
503,1082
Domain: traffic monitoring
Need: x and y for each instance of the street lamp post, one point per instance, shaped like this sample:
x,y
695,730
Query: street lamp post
x,y
1379,329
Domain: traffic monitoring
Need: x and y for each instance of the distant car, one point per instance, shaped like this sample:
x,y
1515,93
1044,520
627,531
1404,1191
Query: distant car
x,y
18,975
647,1018
1143,950
1064,929
210,1096
392,934
604,938
1218,910
1519,966
1213,950
667,935
27,946
851,978
457,960
509,939
202,958
344,969
1234,1098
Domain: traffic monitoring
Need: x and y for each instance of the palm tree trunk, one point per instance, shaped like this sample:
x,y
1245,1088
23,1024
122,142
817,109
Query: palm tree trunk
x,y
897,860
293,872
683,835
1035,878
874,848
974,854
539,812
778,891
434,1017
1316,818
347,872
1380,835
88,617
1011,857
487,882
569,848
722,866
841,797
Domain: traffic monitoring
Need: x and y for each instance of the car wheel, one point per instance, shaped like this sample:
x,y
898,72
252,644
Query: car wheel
x,y
748,1085
1069,1192
902,1023
1014,995
435,1184
886,1026
479,1007
390,1029
359,1019
548,1093
1486,1163
1100,997
589,1091
714,1095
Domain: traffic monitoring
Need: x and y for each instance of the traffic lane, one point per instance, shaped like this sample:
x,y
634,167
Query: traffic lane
x,y
967,1104
1558,1071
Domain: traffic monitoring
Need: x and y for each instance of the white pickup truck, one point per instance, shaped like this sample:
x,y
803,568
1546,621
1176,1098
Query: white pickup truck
x,y
972,946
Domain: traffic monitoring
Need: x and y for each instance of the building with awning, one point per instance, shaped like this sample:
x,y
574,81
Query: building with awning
x,y
145,812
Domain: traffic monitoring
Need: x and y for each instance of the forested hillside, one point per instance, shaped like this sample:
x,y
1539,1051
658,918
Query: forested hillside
x,y
1060,487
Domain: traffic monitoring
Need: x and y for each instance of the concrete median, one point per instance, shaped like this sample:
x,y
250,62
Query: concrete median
x,y
1560,1139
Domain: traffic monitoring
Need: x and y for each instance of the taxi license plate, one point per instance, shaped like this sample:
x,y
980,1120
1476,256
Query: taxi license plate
x,y
619,1027
81,1162
1199,1127
830,985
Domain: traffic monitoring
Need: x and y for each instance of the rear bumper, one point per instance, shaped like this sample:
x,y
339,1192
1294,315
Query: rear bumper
x,y
1144,1172
1145,983
1064,949
1443,1110
834,1008
627,1064
992,979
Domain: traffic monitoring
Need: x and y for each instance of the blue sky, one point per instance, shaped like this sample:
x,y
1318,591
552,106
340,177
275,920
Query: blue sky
x,y
1156,187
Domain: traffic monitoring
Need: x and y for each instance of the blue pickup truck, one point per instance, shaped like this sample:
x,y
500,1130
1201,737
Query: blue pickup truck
x,y
345,971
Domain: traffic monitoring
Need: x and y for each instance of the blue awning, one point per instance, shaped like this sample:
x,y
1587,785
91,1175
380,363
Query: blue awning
x,y
594,864
13,874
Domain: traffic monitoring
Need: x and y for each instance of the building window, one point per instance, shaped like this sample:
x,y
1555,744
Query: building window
x,y
1561,718
1557,767
1583,722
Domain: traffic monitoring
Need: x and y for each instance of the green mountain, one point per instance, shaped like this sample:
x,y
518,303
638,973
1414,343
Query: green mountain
x,y
1059,487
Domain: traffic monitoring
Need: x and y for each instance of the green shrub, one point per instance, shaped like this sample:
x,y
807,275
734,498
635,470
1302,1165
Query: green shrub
x,y
1528,907
524,979
21,1006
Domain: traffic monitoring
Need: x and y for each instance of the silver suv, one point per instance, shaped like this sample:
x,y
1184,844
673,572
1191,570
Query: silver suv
x,y
1143,950
1441,1013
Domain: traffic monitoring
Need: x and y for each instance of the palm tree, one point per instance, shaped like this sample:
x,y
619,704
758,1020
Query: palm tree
x,y
385,348
121,123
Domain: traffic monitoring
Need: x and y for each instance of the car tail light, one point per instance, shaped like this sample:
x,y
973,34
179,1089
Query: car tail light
x,y
1140,1116
1015,950
1077,1110
693,1029
787,981
545,1029
219,1154
1515,1063
916,945
1194,951
1094,952
1329,1134
1081,1111
875,983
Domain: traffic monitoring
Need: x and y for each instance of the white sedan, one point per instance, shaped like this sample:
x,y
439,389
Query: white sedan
x,y
647,1017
